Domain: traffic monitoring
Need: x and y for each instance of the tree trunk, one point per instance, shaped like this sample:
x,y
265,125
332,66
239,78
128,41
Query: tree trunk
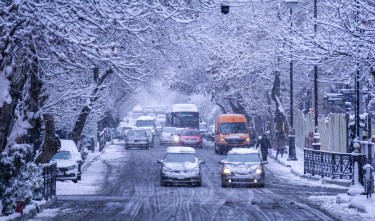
x,y
85,112
80,124
18,80
51,141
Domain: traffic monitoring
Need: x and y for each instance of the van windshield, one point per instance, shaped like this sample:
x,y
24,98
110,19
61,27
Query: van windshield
x,y
228,128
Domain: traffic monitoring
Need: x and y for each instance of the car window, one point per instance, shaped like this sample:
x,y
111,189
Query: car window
x,y
62,155
169,130
227,128
190,133
244,158
180,157
136,133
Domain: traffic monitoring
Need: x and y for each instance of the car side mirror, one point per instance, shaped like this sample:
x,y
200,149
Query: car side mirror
x,y
202,162
221,161
159,161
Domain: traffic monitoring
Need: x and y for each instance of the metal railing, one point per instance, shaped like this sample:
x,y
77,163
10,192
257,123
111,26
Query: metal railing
x,y
49,180
334,165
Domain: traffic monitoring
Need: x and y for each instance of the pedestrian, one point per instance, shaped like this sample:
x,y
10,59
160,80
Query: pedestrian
x,y
280,148
309,140
264,144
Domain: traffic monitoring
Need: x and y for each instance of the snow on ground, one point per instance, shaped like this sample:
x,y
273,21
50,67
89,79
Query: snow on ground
x,y
347,207
94,171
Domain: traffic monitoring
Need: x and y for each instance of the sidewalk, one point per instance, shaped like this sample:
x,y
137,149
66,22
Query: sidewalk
x,y
353,201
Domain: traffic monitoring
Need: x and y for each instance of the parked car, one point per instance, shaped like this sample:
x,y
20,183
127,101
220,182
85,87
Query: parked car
x,y
137,138
166,135
242,166
191,137
180,165
68,161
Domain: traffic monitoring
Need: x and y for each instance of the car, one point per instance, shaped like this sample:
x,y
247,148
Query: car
x,y
137,139
68,161
150,135
158,128
211,133
180,165
242,166
203,129
166,135
176,136
191,137
122,130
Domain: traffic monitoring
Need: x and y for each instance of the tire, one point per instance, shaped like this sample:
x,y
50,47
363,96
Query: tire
x,y
162,183
224,185
79,177
75,181
216,150
199,184
261,185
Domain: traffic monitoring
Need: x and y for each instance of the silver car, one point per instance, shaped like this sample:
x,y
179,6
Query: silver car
x,y
137,139
242,166
166,135
180,165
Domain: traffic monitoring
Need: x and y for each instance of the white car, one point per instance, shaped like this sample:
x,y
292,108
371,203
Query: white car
x,y
68,161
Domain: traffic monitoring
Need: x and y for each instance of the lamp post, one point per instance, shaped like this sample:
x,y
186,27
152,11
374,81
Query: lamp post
x,y
316,144
292,144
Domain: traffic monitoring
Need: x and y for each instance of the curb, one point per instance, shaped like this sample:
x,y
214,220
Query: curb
x,y
31,210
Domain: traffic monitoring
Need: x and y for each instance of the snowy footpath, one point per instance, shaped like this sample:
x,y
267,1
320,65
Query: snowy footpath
x,y
343,205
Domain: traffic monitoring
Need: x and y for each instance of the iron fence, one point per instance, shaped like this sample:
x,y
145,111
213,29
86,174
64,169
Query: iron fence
x,y
49,180
334,165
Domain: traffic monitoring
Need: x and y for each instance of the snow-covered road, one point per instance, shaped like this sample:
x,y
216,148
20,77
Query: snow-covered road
x,y
125,186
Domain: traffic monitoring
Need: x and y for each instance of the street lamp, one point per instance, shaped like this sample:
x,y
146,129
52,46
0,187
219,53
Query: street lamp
x,y
292,138
316,144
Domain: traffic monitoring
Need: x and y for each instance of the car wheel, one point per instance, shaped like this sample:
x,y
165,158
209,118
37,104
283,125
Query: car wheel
x,y
224,185
162,183
75,181
216,150
261,185
79,177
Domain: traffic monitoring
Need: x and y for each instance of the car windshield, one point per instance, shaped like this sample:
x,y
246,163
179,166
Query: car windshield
x,y
227,128
169,130
144,123
62,155
190,133
180,157
243,158
136,133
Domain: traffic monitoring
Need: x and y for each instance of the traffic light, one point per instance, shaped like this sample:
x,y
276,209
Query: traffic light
x,y
224,9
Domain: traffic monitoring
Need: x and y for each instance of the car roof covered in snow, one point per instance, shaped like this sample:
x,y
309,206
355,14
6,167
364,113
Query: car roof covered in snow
x,y
180,149
242,151
145,118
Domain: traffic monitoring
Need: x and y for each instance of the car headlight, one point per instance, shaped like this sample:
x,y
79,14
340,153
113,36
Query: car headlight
x,y
247,139
226,171
258,171
176,139
71,167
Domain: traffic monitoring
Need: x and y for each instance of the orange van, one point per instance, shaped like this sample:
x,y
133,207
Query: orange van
x,y
231,131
